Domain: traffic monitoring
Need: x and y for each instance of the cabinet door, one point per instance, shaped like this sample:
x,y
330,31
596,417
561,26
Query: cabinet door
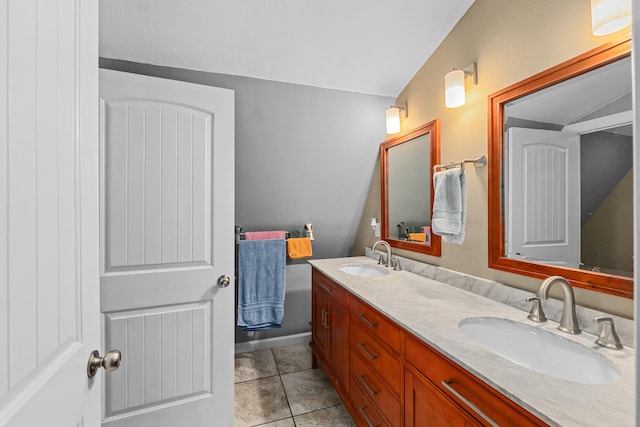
x,y
319,329
336,320
425,405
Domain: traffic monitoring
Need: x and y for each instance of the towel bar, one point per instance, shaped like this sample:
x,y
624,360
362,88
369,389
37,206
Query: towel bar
x,y
308,231
479,161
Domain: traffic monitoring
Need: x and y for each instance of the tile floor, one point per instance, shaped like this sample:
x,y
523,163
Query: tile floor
x,y
278,388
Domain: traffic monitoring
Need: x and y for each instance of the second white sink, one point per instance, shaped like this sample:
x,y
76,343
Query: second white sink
x,y
540,350
364,270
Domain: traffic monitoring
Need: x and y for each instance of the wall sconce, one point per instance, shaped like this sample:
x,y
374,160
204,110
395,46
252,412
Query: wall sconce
x,y
393,117
455,84
609,16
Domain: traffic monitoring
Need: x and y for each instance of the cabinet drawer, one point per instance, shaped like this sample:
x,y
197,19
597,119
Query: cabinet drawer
x,y
334,290
459,385
375,323
366,411
381,361
377,392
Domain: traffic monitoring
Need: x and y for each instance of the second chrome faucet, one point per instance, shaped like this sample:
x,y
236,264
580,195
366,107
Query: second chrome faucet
x,y
569,320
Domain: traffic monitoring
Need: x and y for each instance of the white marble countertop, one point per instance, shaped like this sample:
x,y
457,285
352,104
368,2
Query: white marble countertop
x,y
431,310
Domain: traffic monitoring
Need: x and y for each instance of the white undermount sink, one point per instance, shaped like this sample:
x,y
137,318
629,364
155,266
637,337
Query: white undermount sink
x,y
540,350
364,270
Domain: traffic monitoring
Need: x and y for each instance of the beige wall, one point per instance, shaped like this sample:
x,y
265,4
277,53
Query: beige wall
x,y
606,241
510,41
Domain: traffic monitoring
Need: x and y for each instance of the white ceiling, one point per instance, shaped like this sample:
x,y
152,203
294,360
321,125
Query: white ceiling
x,y
587,96
367,46
598,100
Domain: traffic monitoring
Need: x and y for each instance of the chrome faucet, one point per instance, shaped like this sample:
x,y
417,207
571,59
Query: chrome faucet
x,y
569,320
386,245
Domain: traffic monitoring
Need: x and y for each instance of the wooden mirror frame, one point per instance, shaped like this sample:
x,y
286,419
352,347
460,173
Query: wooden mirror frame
x,y
434,145
599,282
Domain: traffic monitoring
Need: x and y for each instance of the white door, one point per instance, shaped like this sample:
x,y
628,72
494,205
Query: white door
x,y
49,282
167,233
544,196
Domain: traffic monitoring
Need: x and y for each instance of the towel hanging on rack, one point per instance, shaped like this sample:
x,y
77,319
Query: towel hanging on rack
x,y
261,284
299,247
264,235
449,205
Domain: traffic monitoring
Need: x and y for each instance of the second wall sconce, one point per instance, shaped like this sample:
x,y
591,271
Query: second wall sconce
x,y
609,16
393,117
455,84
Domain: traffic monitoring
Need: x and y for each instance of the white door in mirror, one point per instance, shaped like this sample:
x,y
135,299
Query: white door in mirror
x,y
543,197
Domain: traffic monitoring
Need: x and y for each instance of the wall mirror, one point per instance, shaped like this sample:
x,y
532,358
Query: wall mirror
x,y
561,173
406,164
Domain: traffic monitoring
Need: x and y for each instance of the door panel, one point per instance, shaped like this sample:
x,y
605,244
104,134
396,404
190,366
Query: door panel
x,y
167,233
48,213
543,218
159,208
168,355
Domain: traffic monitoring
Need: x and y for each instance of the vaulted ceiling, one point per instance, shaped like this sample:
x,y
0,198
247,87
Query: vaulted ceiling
x,y
367,46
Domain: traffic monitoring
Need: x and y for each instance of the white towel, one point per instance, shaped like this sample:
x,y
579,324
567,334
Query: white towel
x,y
449,205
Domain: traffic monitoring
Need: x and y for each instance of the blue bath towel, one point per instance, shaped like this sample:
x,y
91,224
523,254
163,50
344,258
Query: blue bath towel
x,y
261,284
449,205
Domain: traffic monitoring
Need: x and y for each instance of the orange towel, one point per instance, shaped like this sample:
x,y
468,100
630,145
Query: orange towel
x,y
299,247
420,237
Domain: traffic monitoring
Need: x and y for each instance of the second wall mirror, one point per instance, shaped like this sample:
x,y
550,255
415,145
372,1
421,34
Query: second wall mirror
x,y
561,176
406,165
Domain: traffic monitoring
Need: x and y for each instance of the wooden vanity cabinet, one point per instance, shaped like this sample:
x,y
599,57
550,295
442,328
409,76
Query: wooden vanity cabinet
x,y
388,377
329,329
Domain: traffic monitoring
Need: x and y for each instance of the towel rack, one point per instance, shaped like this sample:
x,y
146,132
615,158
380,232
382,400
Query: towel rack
x,y
240,235
479,161
308,228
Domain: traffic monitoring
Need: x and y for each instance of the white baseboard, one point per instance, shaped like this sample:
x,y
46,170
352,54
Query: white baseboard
x,y
245,347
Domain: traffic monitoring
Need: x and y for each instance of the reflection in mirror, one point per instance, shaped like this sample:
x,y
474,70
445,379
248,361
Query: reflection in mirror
x,y
561,195
406,164
409,201
568,194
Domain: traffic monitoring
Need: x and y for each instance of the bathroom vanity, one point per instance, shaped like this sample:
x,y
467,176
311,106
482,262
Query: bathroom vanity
x,y
391,346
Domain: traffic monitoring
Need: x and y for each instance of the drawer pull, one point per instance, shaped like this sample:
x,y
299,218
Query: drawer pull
x,y
326,289
365,351
367,321
366,385
366,418
447,384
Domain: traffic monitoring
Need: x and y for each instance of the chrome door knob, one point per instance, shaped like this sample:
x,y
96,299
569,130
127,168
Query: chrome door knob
x,y
110,362
223,281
